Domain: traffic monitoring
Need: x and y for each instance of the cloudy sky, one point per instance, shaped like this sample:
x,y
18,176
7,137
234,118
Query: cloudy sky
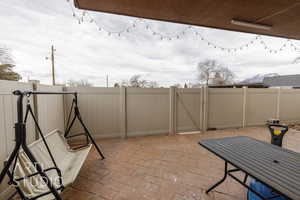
x,y
30,27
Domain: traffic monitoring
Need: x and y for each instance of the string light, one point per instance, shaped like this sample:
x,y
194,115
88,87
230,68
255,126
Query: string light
x,y
180,34
280,49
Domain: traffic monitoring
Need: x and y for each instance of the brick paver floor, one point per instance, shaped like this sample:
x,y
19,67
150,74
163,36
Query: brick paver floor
x,y
164,167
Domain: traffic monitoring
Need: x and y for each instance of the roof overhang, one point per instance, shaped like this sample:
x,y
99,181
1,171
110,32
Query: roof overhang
x,y
283,16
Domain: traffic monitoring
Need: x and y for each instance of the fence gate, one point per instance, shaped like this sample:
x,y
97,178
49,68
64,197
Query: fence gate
x,y
188,109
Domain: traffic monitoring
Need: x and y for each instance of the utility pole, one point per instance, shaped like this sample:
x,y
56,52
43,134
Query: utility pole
x,y
52,64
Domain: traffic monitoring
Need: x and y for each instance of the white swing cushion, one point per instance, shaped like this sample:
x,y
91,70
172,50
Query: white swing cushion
x,y
68,161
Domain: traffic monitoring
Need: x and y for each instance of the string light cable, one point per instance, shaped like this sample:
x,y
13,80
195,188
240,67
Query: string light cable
x,y
86,16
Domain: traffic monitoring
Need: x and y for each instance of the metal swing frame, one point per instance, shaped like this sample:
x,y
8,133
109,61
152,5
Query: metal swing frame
x,y
20,139
77,115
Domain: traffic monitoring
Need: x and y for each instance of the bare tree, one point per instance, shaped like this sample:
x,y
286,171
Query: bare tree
x,y
152,84
136,81
206,69
80,83
195,85
211,69
116,85
225,75
124,83
177,85
7,65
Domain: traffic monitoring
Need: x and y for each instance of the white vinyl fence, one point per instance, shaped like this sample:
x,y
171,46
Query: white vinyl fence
x,y
100,109
189,112
50,109
130,112
241,107
8,116
147,111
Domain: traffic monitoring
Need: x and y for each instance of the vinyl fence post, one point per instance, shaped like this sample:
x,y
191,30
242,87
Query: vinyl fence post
x,y
278,103
65,89
205,108
123,112
201,109
172,112
244,106
35,108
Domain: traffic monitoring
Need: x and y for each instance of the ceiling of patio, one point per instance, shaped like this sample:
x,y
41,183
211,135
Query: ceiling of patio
x,y
282,15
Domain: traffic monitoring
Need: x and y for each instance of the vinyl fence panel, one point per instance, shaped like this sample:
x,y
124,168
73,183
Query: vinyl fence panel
x,y
225,107
100,110
8,117
50,108
188,110
290,105
261,105
147,111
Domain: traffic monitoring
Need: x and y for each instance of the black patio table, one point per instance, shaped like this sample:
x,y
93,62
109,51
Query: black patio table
x,y
276,167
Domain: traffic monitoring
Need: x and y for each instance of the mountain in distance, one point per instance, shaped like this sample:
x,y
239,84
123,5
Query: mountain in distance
x,y
258,78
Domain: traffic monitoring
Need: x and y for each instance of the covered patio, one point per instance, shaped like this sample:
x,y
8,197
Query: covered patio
x,y
174,166
166,167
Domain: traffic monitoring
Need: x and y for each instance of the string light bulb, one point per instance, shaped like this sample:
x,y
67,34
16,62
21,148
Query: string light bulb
x,y
181,33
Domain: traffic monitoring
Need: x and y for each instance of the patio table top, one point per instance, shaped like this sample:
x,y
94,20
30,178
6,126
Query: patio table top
x,y
274,166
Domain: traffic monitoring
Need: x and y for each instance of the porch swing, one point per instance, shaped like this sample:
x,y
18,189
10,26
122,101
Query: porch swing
x,y
44,168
